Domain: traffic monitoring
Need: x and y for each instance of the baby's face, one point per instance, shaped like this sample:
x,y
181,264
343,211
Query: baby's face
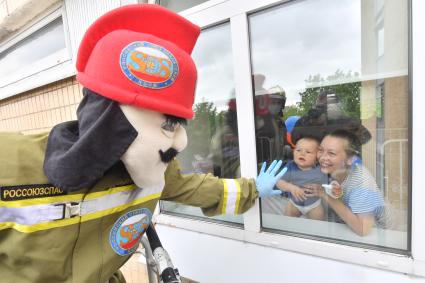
x,y
305,153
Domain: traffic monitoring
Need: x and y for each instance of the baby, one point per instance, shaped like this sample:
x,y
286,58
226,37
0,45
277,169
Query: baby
x,y
303,170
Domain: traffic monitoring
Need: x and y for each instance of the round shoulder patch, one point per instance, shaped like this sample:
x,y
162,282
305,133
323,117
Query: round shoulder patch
x,y
149,65
127,231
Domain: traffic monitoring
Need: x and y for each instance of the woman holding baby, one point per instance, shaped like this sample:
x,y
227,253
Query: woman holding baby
x,y
356,198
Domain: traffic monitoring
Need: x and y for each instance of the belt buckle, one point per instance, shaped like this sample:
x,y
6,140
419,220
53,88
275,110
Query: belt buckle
x,y
70,209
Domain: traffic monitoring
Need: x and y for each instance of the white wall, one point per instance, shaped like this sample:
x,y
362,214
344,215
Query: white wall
x,y
207,258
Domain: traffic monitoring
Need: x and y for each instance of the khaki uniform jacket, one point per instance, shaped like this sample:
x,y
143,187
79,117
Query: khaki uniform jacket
x,y
48,235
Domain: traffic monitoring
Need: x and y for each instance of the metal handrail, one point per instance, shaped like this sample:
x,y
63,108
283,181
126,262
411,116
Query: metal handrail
x,y
153,275
382,153
159,266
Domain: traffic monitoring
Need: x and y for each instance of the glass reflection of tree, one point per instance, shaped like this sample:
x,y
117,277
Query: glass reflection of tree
x,y
200,131
225,144
330,104
213,145
345,87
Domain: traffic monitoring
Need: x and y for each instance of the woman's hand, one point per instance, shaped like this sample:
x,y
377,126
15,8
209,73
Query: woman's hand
x,y
336,189
314,190
299,194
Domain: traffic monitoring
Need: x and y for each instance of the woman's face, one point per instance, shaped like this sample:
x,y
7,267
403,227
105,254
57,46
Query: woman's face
x,y
332,156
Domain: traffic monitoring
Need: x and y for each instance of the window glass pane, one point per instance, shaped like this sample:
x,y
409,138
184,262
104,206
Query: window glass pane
x,y
39,45
213,145
343,68
178,6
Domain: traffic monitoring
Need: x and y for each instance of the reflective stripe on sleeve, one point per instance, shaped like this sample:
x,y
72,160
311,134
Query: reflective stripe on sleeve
x,y
231,196
31,218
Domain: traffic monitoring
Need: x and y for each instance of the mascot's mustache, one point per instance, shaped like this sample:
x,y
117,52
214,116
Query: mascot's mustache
x,y
168,155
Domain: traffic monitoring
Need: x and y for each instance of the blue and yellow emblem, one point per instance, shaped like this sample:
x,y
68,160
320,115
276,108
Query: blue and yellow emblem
x,y
149,65
128,230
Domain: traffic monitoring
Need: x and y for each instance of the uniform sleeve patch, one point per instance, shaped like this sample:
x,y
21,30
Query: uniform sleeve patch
x,y
127,231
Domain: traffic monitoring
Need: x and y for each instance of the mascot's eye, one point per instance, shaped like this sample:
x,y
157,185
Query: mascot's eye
x,y
169,126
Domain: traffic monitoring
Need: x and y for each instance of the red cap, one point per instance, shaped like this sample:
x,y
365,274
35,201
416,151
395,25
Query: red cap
x,y
140,55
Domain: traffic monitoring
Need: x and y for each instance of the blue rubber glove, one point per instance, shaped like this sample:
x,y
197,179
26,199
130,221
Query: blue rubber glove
x,y
267,179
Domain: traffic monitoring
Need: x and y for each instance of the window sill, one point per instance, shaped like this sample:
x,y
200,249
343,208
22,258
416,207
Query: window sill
x,y
386,238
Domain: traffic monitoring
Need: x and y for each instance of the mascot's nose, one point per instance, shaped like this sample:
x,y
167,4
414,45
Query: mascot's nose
x,y
180,139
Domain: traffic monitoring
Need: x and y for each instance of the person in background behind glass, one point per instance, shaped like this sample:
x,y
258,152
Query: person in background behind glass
x,y
362,205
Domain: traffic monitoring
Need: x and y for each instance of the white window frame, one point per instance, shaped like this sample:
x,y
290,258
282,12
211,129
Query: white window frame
x,y
195,8
214,12
52,68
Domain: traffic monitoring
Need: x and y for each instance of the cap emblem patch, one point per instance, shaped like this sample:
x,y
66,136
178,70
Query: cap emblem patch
x,y
149,65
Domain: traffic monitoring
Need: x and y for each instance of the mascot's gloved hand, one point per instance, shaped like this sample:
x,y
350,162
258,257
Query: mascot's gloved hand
x,y
266,180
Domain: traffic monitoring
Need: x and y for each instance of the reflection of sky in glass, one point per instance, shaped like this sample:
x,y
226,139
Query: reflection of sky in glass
x,y
294,41
213,58
39,45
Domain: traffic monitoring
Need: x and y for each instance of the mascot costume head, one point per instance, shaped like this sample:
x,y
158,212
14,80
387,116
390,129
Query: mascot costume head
x,y
139,83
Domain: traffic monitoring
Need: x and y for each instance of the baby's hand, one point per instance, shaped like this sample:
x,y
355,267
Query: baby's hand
x,y
299,194
314,190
